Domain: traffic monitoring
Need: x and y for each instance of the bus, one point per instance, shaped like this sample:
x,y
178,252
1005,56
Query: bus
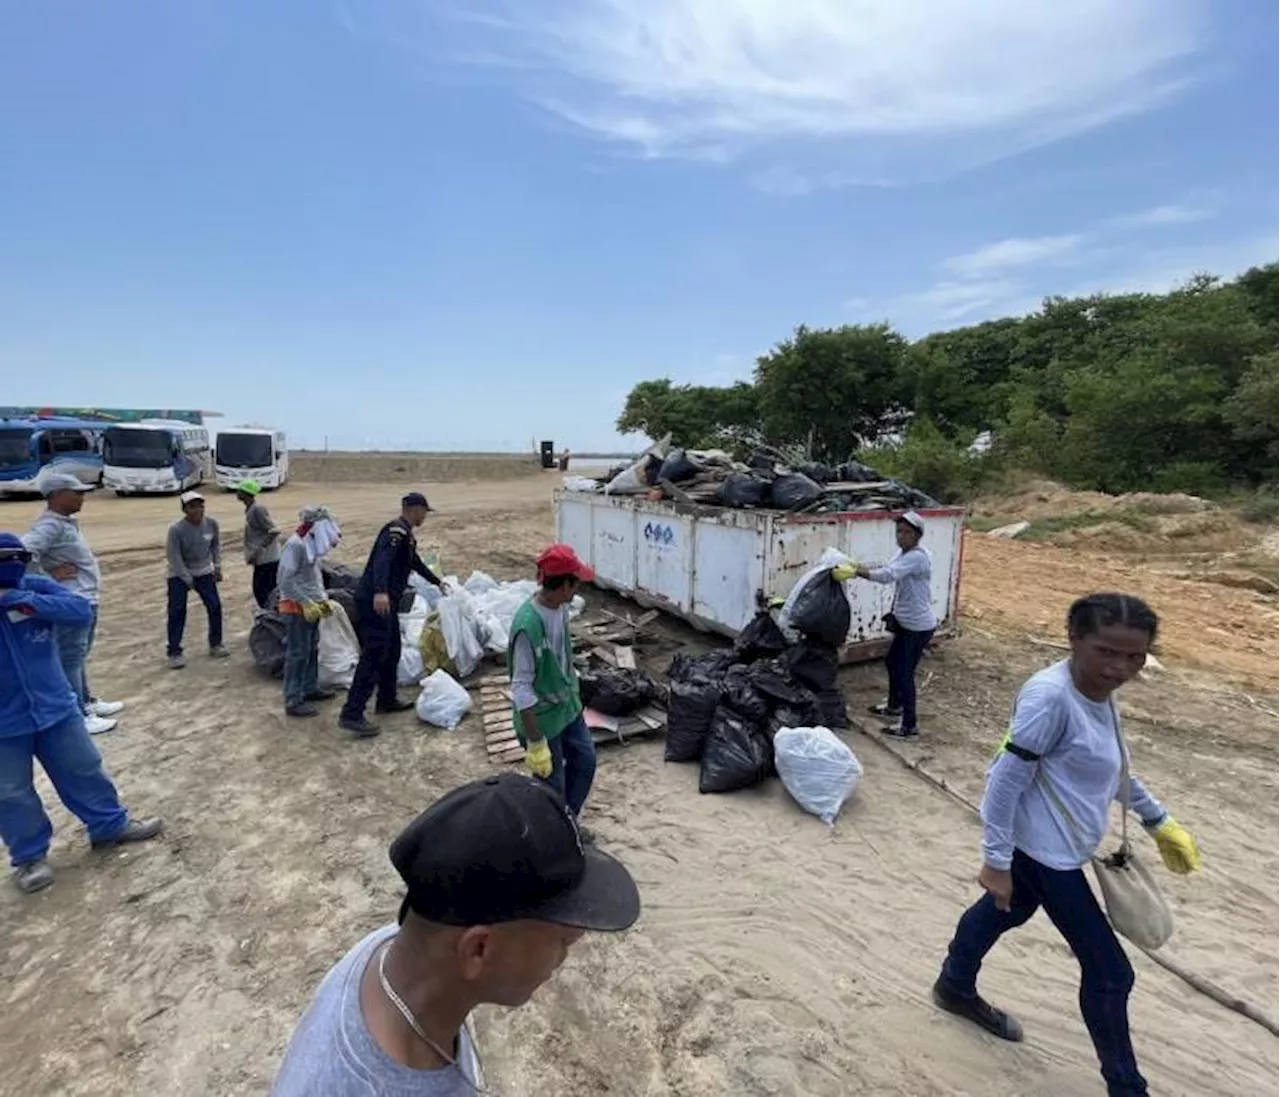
x,y
251,453
154,456
29,444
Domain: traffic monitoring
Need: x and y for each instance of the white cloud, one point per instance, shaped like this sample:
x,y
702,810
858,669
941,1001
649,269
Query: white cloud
x,y
888,82
956,300
1176,213
1014,252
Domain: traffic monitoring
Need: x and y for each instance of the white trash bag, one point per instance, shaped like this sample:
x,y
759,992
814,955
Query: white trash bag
x,y
817,769
458,624
339,650
442,702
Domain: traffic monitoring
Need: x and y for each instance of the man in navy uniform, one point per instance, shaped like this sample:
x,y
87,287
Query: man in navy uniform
x,y
385,579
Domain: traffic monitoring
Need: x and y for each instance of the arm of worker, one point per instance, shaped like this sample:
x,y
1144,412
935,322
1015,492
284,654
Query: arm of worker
x,y
898,568
177,562
215,545
384,554
1037,724
43,598
1145,806
38,540
523,695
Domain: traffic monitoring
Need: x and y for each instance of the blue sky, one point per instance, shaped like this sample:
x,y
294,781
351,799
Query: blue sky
x,y
463,225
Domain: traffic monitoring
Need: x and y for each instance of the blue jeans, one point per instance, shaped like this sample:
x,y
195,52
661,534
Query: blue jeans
x,y
1106,976
573,764
901,661
74,765
74,644
301,658
207,589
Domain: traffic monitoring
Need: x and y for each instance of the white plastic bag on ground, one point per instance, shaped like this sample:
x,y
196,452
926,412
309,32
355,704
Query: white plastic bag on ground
x,y
443,701
579,483
458,624
339,650
830,558
409,669
817,769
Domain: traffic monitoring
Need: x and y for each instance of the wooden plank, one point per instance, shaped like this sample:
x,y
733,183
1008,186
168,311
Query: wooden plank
x,y
854,486
606,654
507,757
678,494
499,725
502,740
626,658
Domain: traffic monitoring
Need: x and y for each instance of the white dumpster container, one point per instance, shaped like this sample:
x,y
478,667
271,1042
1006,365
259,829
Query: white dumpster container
x,y
715,566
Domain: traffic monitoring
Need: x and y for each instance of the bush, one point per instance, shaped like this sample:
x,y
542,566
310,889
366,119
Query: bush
x,y
1262,507
934,464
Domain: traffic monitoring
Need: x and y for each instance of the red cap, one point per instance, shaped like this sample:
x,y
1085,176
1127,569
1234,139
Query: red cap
x,y
562,560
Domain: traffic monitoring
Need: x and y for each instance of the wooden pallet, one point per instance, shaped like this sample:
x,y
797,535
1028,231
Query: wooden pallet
x,y
649,720
500,741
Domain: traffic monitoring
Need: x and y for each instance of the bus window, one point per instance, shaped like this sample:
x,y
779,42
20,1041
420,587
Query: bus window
x,y
15,447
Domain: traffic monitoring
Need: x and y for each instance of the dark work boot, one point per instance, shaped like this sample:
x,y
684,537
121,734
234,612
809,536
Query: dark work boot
x,y
359,727
979,1011
135,830
304,708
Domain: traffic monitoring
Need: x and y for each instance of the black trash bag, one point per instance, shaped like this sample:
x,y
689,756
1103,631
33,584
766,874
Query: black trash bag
x,y
738,693
761,639
678,466
690,708
818,472
775,683
347,601
787,717
740,489
854,472
734,756
821,610
615,691
266,644
794,491
711,666
832,709
649,471
339,577
406,601
762,462
814,665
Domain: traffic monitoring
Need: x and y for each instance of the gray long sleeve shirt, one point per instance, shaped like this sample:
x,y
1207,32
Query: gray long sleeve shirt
x,y
912,573
194,550
300,579
54,540
261,536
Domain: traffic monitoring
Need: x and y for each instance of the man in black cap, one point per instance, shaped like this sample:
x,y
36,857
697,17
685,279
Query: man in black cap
x,y
385,579
500,886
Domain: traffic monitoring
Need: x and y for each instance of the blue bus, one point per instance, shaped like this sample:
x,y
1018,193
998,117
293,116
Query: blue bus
x,y
30,444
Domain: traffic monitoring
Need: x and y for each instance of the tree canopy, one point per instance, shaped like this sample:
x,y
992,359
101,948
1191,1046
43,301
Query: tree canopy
x,y
1174,391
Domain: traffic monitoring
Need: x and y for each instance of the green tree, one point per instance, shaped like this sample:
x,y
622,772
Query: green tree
x,y
694,415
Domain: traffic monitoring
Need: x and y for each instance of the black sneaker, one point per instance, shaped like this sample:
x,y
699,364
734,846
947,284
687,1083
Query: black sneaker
x,y
321,695
898,731
978,1010
359,727
33,876
135,830
390,708
306,708
885,709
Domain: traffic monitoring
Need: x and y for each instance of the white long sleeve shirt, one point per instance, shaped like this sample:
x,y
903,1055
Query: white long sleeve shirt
x,y
912,574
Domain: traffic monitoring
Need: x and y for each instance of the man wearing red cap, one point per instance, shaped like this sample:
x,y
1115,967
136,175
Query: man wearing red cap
x,y
544,684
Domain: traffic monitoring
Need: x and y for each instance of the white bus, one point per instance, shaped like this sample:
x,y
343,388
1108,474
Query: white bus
x,y
154,456
251,453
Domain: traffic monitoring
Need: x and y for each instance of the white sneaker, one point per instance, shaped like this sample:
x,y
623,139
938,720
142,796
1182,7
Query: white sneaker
x,y
106,708
97,725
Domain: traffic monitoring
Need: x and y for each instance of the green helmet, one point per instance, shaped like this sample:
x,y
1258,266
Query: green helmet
x,y
249,487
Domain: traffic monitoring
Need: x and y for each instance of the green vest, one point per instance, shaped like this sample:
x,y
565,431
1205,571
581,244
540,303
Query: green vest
x,y
559,702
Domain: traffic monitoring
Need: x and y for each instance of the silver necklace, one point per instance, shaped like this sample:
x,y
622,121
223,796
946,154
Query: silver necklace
x,y
418,1030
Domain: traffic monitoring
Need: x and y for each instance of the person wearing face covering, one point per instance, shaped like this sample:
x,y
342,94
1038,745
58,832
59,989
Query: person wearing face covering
x,y
303,602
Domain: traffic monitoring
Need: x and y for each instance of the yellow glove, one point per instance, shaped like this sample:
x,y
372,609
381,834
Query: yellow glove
x,y
326,608
537,756
842,573
311,612
1177,848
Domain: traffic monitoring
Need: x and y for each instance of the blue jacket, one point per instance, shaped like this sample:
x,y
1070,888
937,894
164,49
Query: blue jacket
x,y
34,693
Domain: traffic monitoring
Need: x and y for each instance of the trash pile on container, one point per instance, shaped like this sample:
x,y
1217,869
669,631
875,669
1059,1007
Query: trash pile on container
x,y
767,480
765,707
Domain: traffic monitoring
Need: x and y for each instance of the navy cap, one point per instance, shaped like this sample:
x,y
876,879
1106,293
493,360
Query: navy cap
x,y
415,499
504,849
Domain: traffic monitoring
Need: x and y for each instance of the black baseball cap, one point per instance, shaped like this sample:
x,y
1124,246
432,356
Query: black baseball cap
x,y
507,848
415,499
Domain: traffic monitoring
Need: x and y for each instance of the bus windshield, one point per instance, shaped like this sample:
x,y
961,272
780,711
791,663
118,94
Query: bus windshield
x,y
15,447
245,451
139,449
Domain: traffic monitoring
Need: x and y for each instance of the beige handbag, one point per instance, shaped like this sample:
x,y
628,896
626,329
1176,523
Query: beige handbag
x,y
1134,904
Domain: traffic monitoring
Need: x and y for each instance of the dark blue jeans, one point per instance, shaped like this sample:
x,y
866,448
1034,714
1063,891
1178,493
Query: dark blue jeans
x,y
573,764
74,766
902,659
1106,976
301,658
207,589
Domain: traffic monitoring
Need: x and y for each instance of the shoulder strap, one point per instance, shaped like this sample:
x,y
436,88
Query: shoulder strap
x,y
1124,777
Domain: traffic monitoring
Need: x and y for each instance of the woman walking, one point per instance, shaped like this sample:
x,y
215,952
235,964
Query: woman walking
x,y
1062,755
912,622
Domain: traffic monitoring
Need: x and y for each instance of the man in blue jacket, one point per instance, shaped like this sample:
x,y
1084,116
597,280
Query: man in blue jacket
x,y
40,718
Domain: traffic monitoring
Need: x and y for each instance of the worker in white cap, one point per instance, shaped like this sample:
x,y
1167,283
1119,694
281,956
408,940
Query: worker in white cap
x,y
59,551
195,563
911,621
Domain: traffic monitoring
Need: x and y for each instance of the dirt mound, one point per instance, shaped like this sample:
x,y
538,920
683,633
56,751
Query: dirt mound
x,y
1046,499
438,468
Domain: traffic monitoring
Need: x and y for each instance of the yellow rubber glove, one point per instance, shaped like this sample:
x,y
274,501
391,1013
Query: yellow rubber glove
x,y
842,573
537,757
326,608
311,612
1177,848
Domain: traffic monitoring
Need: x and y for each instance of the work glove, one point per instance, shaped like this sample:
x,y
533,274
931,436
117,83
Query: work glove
x,y
312,612
537,757
842,573
1177,848
326,608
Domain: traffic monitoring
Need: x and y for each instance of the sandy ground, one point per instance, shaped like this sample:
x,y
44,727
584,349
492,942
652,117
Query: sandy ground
x,y
773,956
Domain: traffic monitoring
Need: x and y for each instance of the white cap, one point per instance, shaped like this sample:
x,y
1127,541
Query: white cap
x,y
189,497
913,520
